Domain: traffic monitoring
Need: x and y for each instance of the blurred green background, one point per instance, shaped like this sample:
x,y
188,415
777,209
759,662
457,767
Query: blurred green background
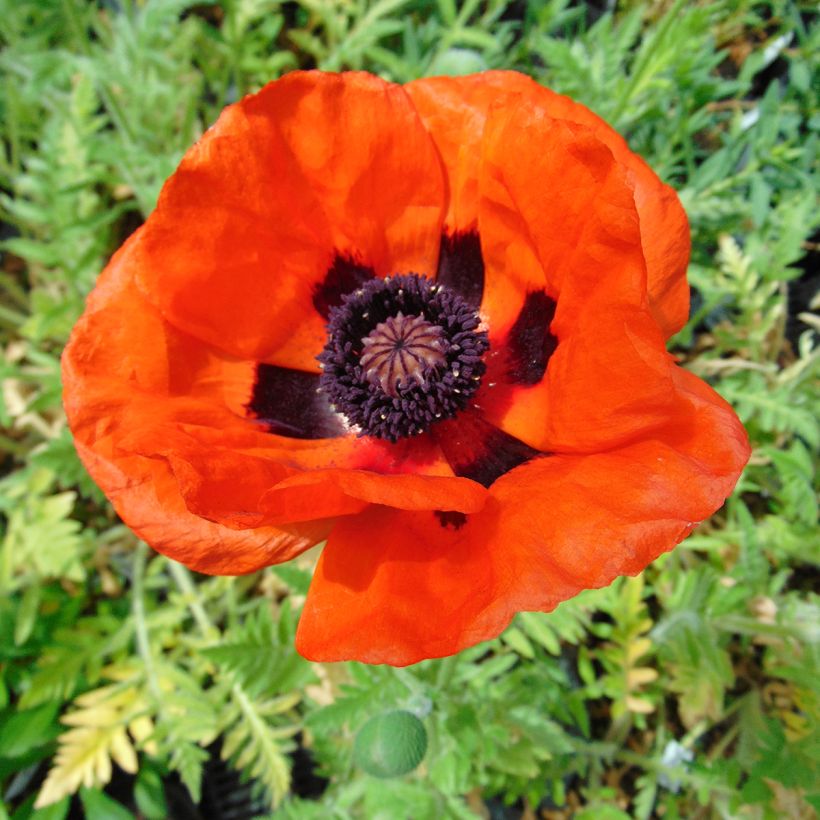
x,y
131,688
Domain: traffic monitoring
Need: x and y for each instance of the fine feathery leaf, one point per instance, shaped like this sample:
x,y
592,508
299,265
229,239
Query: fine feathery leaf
x,y
98,736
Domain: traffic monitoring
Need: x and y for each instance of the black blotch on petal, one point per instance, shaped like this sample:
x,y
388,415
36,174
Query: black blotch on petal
x,y
287,401
451,518
529,343
461,266
343,276
476,449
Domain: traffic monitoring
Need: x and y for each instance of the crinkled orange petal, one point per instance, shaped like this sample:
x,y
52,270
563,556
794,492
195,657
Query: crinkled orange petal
x,y
598,516
454,109
608,379
607,383
567,200
140,392
122,366
396,587
245,230
225,483
146,496
244,478
404,491
245,489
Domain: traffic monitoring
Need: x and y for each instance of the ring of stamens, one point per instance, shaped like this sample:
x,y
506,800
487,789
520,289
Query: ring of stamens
x,y
402,353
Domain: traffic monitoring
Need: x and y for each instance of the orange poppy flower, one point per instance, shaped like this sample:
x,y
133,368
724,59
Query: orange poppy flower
x,y
426,323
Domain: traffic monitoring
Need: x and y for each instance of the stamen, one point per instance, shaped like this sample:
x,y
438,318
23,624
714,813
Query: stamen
x,y
402,353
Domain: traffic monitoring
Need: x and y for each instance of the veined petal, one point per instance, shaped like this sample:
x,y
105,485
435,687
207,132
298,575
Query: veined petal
x,y
569,204
396,587
599,516
312,167
147,497
454,109
170,411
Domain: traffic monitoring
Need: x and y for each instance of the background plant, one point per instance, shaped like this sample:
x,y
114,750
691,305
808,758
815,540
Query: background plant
x,y
129,686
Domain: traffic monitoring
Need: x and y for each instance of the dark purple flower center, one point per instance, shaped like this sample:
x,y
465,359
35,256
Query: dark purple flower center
x,y
402,353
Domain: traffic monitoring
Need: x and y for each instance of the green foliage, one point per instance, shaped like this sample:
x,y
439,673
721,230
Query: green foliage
x,y
41,538
626,651
689,691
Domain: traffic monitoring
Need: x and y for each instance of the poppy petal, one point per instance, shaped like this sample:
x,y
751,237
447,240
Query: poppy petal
x,y
404,491
612,513
584,232
146,496
114,387
160,428
396,587
247,230
228,478
574,206
454,109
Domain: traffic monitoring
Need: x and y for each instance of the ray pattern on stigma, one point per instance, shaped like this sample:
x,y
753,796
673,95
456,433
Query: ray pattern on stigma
x,y
402,353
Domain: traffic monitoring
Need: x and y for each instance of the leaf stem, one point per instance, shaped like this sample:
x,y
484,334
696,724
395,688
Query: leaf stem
x,y
140,625
446,671
193,599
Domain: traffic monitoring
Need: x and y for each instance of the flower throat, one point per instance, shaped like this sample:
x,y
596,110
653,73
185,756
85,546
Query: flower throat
x,y
402,353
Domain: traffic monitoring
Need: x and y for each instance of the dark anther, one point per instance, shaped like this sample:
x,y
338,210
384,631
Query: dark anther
x,y
343,276
402,353
530,343
451,518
